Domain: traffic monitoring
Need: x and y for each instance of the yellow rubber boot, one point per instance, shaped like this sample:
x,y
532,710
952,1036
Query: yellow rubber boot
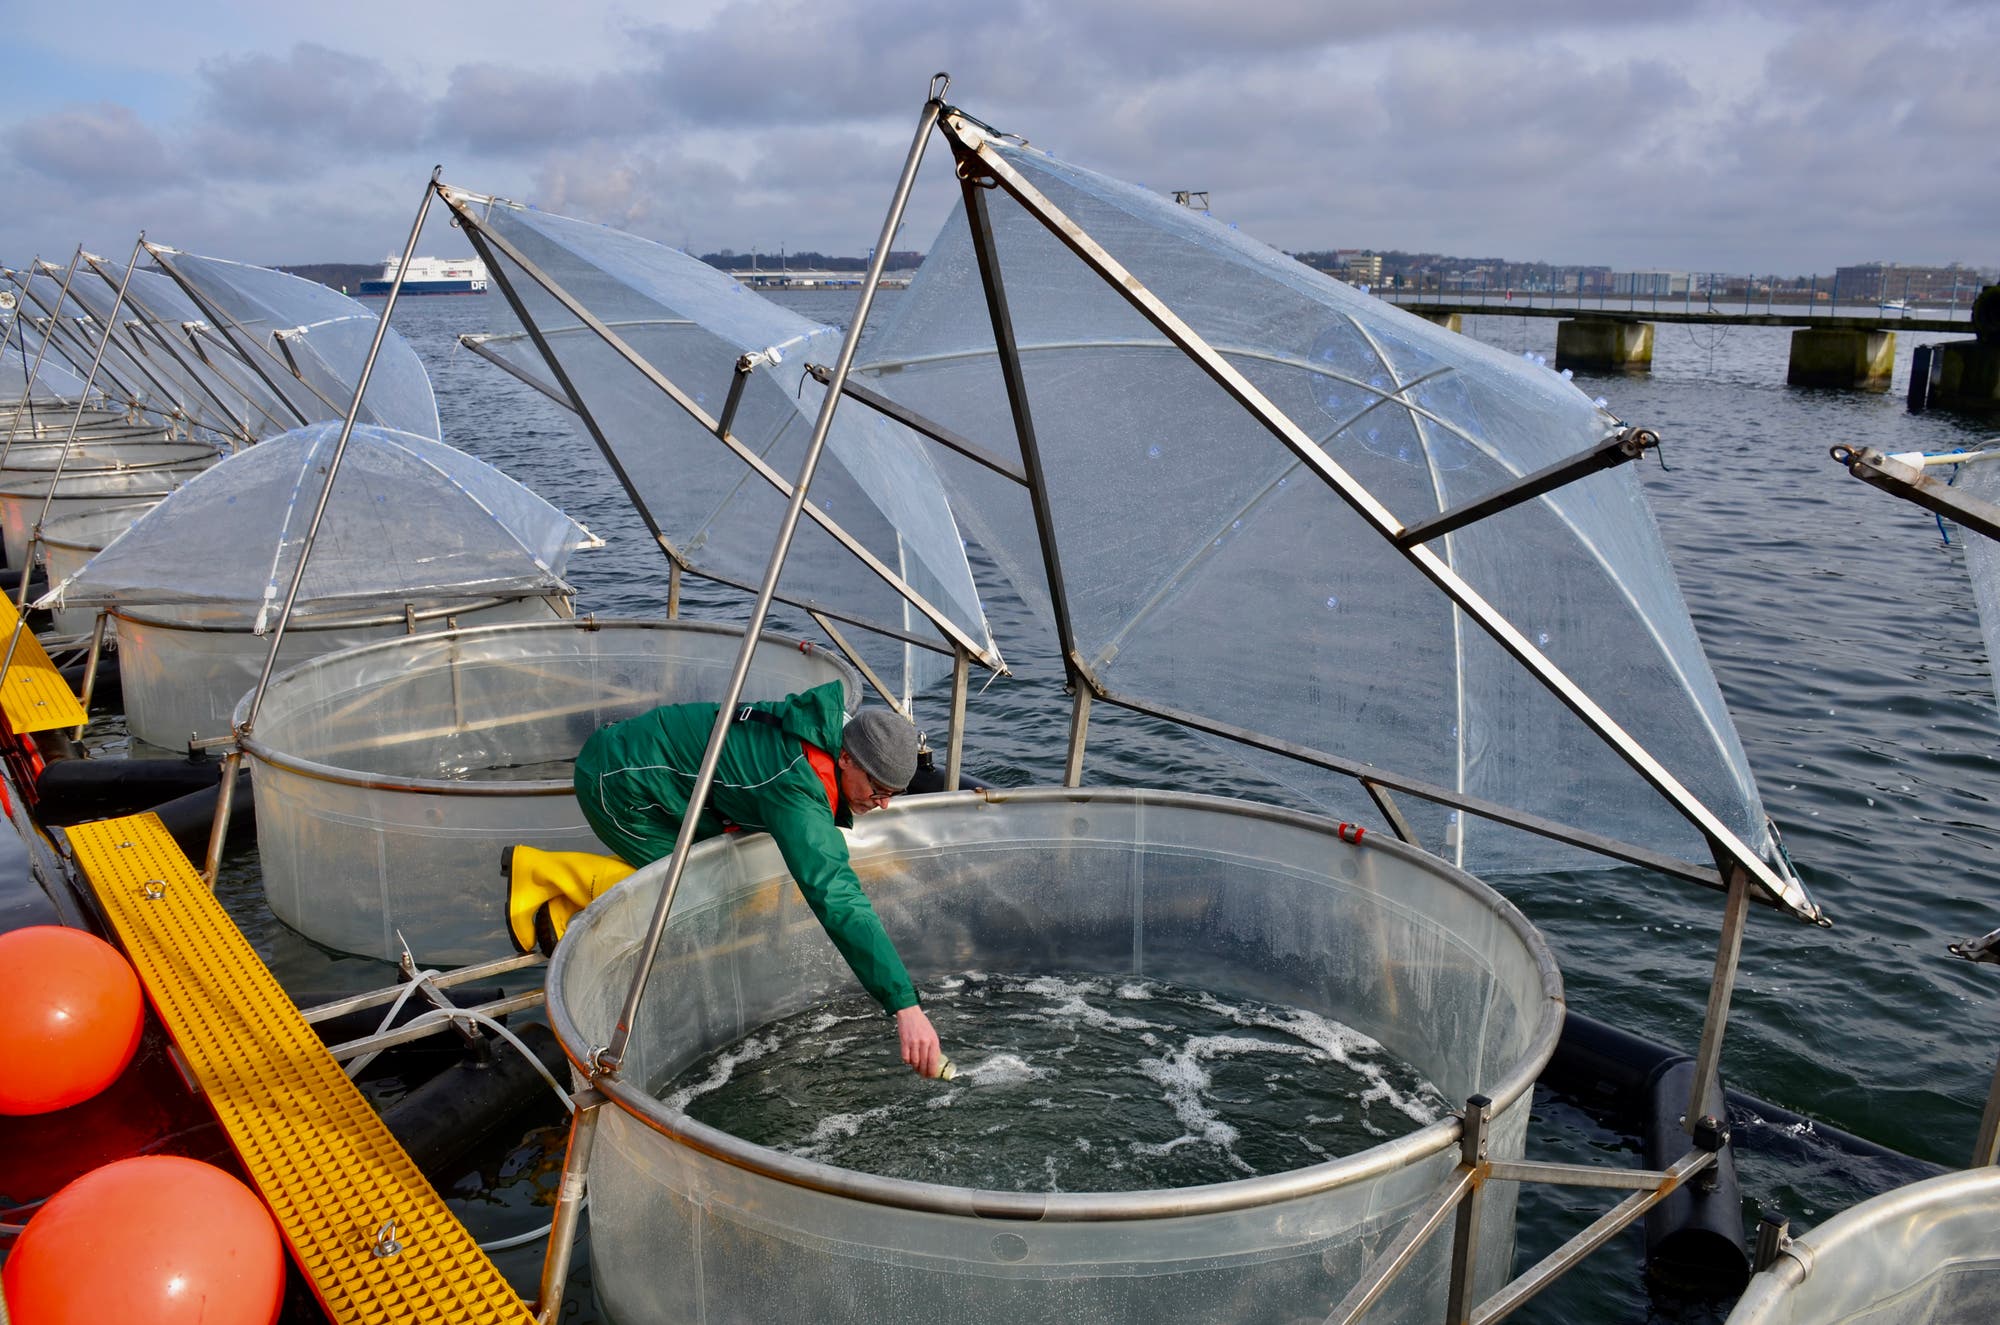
x,y
546,888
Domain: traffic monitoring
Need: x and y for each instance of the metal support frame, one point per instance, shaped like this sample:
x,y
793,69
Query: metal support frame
x,y
218,827
606,1061
1625,445
1079,733
1472,1143
954,758
220,322
569,1204
924,427
1912,484
69,328
1986,1147
55,478
41,349
1459,1195
853,655
487,243
1728,951
90,662
981,167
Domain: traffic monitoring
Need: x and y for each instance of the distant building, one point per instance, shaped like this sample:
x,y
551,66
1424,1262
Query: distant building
x,y
1872,281
1357,267
1649,284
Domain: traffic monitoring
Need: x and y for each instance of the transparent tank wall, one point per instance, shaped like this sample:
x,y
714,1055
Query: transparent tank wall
x,y
1929,1252
182,681
73,539
689,1223
388,779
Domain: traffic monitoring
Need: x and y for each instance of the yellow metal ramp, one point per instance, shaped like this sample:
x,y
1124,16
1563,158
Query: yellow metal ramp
x,y
331,1171
34,695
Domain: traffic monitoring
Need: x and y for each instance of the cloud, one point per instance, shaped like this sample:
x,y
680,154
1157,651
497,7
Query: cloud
x,y
497,108
103,147
287,116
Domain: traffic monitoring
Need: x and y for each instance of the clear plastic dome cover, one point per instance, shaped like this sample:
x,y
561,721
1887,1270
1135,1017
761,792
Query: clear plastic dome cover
x,y
54,380
1209,570
208,382
314,341
410,519
690,324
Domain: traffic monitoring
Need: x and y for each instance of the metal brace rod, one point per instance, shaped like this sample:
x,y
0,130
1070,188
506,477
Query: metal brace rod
x,y
853,655
1626,445
924,427
606,1062
41,347
1393,1261
1575,1175
1672,866
954,759
1912,484
1721,987
1472,1143
978,157
1386,805
482,239
1607,1226
220,323
569,1203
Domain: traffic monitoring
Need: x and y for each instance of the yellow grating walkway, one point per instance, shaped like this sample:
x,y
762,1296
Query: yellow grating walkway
x,y
331,1171
34,696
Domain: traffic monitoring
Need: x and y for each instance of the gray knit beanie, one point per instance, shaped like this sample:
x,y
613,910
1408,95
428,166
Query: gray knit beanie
x,y
884,744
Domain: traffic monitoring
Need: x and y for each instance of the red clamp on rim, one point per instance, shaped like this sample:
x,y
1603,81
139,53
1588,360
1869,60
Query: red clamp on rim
x,y
1352,833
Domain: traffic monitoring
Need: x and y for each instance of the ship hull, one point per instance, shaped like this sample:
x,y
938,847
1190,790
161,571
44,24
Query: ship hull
x,y
378,289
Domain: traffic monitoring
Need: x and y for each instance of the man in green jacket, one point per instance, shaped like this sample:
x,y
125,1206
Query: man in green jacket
x,y
795,769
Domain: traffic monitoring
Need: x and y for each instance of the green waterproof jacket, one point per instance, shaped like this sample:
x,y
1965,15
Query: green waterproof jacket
x,y
633,780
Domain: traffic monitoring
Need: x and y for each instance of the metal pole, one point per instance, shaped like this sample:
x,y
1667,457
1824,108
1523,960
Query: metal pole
x,y
954,757
218,828
90,667
27,387
339,449
62,459
1986,1150
1079,731
1465,1242
569,1205
1721,988
608,1058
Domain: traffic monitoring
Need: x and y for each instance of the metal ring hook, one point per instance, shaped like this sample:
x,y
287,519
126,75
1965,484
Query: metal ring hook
x,y
940,82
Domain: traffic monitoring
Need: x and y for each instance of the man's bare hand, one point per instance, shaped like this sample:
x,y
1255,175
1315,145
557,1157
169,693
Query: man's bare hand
x,y
921,1049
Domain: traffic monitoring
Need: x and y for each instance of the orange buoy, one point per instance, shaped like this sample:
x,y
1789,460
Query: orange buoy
x,y
70,1017
158,1238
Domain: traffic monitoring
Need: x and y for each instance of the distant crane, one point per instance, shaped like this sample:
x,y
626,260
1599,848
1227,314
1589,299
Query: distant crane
x,y
1195,198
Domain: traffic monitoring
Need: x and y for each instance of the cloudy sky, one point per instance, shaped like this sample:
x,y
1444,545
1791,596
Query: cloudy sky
x,y
1783,136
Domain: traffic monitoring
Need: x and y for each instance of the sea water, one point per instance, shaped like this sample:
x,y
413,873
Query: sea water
x,y
1065,1083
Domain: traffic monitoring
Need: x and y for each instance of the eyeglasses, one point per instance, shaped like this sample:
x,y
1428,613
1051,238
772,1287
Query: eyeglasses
x,y
877,793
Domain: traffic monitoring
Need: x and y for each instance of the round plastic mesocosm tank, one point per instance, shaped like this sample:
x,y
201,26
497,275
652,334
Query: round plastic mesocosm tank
x,y
183,673
389,778
689,1223
1929,1252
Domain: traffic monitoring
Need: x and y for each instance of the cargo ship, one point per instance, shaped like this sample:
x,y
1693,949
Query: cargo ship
x,y
430,276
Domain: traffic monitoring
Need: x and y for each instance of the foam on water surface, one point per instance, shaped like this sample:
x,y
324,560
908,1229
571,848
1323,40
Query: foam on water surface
x,y
1065,1083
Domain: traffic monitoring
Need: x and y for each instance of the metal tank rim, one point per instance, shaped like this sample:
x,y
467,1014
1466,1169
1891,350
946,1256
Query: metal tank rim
x,y
257,748
1084,1207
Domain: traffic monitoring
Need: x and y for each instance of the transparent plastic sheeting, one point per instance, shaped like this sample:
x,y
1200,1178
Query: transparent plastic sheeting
x,y
1209,570
389,779
53,379
691,324
71,540
1926,1254
1982,555
316,341
1195,891
409,519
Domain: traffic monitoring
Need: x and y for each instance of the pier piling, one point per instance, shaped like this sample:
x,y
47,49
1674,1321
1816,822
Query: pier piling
x,y
1842,356
1602,343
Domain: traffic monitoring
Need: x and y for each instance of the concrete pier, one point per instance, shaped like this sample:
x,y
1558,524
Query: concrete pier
x,y
1600,343
1842,357
1968,373
1449,321
1968,377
